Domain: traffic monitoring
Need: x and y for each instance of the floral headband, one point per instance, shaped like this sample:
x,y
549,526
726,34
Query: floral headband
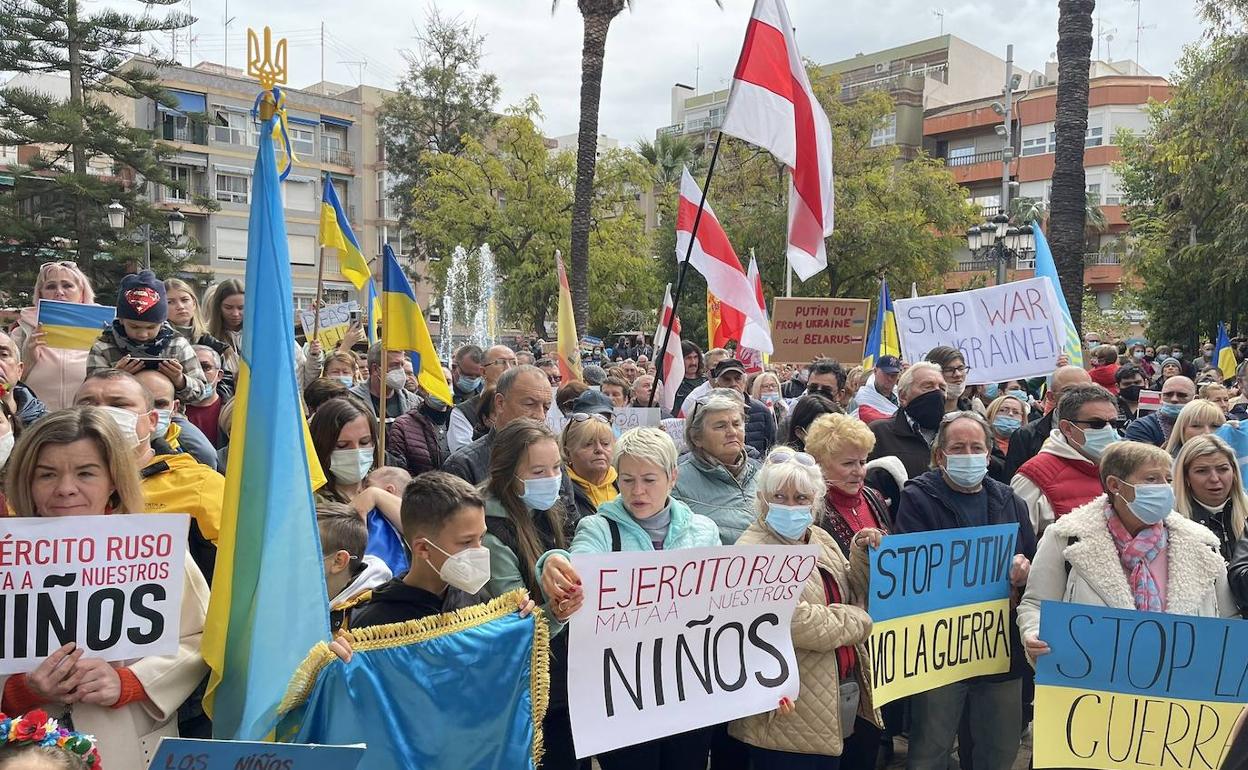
x,y
34,728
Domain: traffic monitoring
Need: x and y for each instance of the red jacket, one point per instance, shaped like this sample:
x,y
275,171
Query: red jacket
x,y
1104,376
1066,483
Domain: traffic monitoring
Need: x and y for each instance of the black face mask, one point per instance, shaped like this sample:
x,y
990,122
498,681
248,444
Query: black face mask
x,y
927,410
1130,393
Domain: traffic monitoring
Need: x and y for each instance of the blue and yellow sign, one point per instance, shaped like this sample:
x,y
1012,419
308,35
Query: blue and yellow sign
x,y
941,608
1125,689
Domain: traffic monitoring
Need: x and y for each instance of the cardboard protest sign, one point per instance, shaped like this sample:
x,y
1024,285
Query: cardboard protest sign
x,y
112,584
73,325
670,641
200,754
1004,332
941,610
674,427
629,417
1129,689
334,322
805,328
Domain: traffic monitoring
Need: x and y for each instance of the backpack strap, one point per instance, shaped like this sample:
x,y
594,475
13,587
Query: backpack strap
x,y
615,535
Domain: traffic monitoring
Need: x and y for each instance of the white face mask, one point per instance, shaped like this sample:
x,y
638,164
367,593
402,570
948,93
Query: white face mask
x,y
396,379
163,417
6,447
955,390
127,422
468,570
350,466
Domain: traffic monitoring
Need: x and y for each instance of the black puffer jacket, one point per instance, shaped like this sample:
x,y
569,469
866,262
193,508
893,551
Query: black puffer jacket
x,y
760,425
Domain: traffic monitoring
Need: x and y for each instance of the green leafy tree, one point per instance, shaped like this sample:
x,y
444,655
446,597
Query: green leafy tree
x,y
514,194
79,152
445,98
1186,185
902,221
1068,223
1114,323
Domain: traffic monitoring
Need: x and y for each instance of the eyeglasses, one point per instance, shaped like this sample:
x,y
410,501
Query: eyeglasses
x,y
506,362
585,416
1097,423
780,456
956,370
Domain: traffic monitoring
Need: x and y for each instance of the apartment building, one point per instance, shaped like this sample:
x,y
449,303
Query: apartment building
x,y
919,76
966,136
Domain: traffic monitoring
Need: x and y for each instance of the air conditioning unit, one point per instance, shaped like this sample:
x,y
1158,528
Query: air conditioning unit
x,y
881,68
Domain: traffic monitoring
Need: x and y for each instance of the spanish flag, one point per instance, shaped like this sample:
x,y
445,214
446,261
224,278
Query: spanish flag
x,y
336,234
723,322
568,346
73,325
268,605
404,328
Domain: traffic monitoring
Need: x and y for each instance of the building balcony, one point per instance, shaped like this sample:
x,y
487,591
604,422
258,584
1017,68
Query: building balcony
x,y
970,160
337,157
194,133
171,197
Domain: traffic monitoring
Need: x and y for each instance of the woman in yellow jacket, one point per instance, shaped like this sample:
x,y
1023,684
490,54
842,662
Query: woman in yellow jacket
x,y
829,630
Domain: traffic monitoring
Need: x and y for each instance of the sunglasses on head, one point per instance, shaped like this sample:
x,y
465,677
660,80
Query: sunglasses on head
x,y
585,416
780,456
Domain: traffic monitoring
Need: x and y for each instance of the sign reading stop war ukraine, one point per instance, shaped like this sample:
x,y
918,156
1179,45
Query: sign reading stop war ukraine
x,y
1004,332
110,584
670,641
1128,689
940,607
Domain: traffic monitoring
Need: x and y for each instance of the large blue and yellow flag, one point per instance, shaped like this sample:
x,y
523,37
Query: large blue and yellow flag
x,y
883,340
1224,356
403,328
268,605
336,234
1047,268
466,689
73,325
374,312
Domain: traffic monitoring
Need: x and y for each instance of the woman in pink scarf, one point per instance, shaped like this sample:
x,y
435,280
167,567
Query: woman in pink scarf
x,y
1127,549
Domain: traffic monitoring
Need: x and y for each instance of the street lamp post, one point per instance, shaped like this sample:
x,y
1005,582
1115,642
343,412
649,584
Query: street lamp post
x,y
117,221
999,241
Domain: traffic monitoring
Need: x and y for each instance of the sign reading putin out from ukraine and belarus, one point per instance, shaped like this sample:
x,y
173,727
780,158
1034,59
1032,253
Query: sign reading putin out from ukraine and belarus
x,y
941,608
1004,332
1125,689
670,641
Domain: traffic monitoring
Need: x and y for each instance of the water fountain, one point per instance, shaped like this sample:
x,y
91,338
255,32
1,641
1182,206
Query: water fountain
x,y
469,298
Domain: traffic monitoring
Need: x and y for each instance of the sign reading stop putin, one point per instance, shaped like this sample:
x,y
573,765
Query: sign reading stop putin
x,y
805,328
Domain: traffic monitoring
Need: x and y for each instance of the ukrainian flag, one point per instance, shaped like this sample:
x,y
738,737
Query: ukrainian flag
x,y
268,605
404,328
883,340
1047,268
374,312
73,325
1223,356
336,234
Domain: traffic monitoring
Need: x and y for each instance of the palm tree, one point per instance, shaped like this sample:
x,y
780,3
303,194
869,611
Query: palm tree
x,y
1068,223
597,16
669,154
1024,211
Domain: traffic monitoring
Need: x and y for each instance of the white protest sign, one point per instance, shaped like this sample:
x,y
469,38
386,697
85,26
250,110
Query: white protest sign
x,y
670,641
1004,332
674,427
629,417
112,584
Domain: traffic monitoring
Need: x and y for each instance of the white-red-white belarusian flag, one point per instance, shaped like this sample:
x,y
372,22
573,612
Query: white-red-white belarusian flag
x,y
757,336
672,360
713,256
772,105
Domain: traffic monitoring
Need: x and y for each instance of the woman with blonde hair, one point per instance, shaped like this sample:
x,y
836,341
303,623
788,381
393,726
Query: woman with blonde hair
x,y
185,318
1128,549
1006,414
76,463
1217,393
765,387
55,374
833,722
841,444
1198,418
587,444
1209,489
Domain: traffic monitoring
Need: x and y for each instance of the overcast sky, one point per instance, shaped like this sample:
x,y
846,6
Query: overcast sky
x,y
658,42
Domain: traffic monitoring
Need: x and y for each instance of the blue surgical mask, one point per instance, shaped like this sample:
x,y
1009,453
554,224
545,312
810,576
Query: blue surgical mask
x,y
991,390
540,494
163,416
1020,395
1096,441
1171,410
966,471
209,392
1006,425
1138,355
348,382
769,398
1152,503
789,521
468,384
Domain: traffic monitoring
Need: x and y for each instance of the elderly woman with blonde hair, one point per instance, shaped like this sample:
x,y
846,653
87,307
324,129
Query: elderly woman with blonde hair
x,y
829,630
841,444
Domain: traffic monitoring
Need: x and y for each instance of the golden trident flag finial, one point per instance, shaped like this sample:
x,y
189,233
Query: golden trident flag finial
x,y
271,69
